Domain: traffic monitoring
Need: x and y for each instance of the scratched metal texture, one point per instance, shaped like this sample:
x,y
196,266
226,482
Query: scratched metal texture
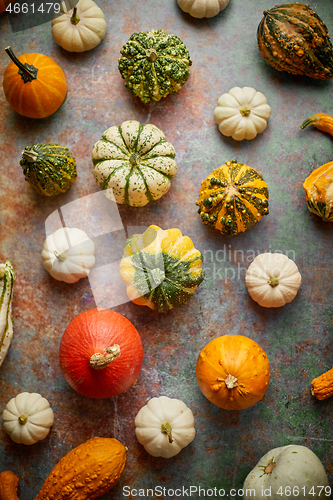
x,y
297,338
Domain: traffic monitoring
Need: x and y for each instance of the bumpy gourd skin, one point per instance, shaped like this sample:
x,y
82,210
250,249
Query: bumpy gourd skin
x,y
233,198
50,169
154,64
293,38
322,386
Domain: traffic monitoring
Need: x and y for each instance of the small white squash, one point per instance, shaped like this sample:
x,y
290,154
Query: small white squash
x,y
134,163
7,278
287,472
68,254
164,426
81,28
272,279
202,8
27,418
242,113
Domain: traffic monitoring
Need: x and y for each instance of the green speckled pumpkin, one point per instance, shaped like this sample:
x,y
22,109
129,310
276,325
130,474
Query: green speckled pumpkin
x,y
293,38
134,163
161,268
233,198
49,168
154,64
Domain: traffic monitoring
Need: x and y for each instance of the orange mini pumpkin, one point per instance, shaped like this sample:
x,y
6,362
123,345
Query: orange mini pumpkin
x,y
34,84
233,372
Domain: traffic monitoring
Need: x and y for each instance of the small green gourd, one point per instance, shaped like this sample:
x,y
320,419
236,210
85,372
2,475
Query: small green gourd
x,y
154,64
49,168
7,278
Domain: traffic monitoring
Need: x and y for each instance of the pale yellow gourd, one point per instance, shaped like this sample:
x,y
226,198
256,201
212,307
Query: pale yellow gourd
x,y
202,8
272,279
27,418
242,113
164,426
80,28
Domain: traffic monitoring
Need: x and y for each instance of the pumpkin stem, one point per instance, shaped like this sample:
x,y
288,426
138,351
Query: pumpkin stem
x,y
75,18
245,111
134,160
167,429
151,55
23,419
313,120
231,381
273,282
31,156
60,256
270,467
100,360
26,71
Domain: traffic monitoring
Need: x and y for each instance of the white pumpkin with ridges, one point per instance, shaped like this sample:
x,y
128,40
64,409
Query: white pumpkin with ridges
x,y
202,8
27,418
272,279
164,426
81,30
68,254
242,113
134,163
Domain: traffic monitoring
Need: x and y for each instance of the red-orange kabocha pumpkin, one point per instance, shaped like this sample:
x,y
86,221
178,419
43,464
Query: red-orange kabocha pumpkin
x,y
233,372
34,84
100,353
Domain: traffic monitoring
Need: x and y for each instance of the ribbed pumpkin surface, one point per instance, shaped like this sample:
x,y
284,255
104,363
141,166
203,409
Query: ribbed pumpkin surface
x,y
161,268
49,168
293,38
86,472
40,97
134,163
233,198
239,359
318,189
154,64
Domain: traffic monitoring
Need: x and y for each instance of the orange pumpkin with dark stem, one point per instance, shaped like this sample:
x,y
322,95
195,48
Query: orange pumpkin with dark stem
x,y
100,353
233,372
34,84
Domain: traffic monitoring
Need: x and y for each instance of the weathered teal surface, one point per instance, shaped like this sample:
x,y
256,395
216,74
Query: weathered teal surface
x,y
297,338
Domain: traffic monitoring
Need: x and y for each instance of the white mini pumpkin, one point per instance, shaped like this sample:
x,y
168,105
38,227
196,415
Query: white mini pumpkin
x,y
202,8
68,254
81,28
242,113
164,426
134,163
272,279
291,471
27,418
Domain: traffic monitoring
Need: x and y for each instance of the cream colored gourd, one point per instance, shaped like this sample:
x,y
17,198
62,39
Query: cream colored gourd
x,y
164,426
291,471
27,418
68,254
202,8
272,279
81,28
134,163
7,278
242,113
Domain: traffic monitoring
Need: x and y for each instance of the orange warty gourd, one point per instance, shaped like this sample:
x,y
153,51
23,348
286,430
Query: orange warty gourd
x,y
322,386
34,84
233,372
85,473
